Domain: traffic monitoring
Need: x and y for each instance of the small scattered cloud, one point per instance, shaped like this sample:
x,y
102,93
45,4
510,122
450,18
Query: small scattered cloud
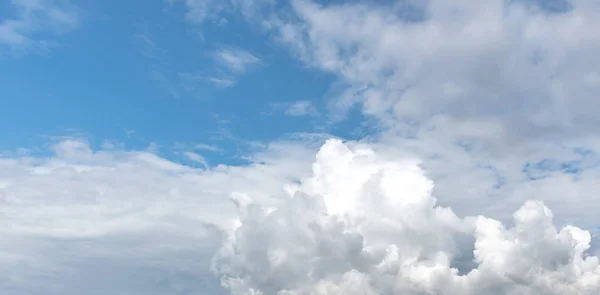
x,y
231,63
159,73
302,108
207,147
191,81
148,47
236,60
299,108
164,83
199,11
32,18
196,158
221,82
129,132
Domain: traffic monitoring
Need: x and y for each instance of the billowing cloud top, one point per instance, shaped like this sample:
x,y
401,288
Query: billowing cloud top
x,y
362,225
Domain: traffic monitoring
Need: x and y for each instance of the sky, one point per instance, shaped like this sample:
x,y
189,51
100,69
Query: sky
x,y
302,147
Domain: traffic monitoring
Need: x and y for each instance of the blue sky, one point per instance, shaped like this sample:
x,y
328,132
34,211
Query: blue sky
x,y
140,74
340,147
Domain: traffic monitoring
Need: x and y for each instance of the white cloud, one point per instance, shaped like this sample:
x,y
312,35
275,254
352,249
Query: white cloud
x,y
201,11
158,223
231,64
366,225
196,158
208,147
33,17
116,221
198,11
475,90
192,81
301,108
221,82
236,60
510,64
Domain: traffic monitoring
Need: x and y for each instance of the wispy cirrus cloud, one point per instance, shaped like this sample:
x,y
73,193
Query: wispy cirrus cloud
x,y
236,60
164,83
196,158
207,147
221,82
298,108
31,19
159,71
200,11
301,108
192,81
148,47
233,62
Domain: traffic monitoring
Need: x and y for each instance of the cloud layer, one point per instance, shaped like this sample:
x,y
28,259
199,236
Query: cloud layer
x,y
363,225
513,68
113,221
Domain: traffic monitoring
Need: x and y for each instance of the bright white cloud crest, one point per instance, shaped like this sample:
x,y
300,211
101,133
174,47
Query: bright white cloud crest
x,y
363,225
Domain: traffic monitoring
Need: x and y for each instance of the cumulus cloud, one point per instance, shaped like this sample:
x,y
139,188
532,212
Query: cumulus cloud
x,y
364,225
